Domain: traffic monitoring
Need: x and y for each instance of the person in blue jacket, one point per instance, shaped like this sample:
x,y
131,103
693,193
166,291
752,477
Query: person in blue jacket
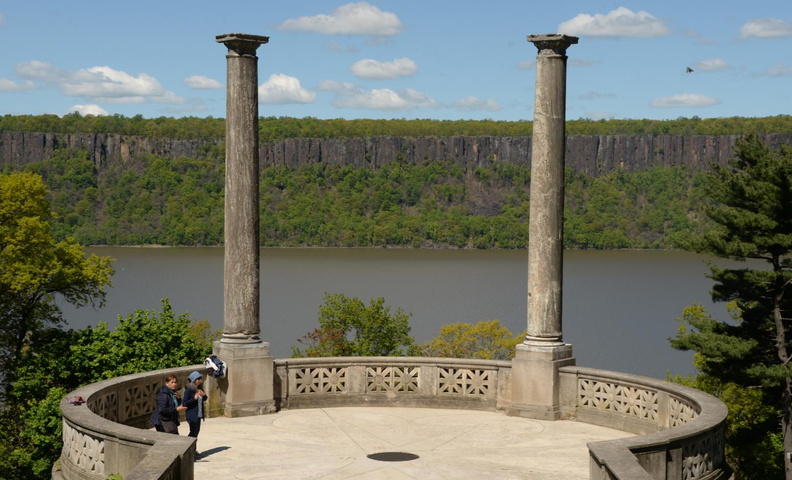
x,y
165,417
193,400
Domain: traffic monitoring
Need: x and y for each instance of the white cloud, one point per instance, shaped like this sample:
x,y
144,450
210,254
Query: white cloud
x,y
373,70
11,86
474,104
621,22
41,71
100,84
105,82
199,82
386,99
766,28
779,70
711,65
282,89
684,100
359,18
92,109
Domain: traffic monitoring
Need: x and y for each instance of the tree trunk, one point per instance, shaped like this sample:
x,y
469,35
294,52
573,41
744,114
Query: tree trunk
x,y
783,356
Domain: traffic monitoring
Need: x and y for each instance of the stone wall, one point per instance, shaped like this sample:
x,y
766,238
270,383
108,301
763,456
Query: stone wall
x,y
682,428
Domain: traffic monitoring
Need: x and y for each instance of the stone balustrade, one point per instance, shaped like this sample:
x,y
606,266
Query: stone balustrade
x,y
390,381
109,433
682,429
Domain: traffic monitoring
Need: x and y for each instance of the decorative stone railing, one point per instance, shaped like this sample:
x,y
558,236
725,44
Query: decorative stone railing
x,y
390,381
106,435
682,428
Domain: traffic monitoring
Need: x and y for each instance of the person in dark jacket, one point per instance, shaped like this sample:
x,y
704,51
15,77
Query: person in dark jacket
x,y
194,398
165,417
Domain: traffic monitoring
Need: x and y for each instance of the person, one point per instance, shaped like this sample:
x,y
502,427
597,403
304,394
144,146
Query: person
x,y
194,398
165,417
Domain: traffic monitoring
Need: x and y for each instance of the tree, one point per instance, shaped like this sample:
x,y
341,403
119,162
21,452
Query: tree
x,y
753,440
35,270
347,327
487,339
56,361
750,204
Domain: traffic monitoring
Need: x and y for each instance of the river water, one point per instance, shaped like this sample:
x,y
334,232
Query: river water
x,y
619,307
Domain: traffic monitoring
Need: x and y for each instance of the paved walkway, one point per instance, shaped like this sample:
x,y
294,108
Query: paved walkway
x,y
333,444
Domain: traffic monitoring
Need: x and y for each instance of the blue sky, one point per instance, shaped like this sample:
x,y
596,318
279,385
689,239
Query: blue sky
x,y
437,59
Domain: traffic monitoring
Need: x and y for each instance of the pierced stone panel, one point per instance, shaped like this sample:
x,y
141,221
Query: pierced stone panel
x,y
320,380
612,397
392,379
84,451
139,400
106,406
681,412
465,382
700,458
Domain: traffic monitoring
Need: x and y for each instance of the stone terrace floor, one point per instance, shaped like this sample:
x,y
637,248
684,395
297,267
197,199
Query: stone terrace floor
x,y
333,444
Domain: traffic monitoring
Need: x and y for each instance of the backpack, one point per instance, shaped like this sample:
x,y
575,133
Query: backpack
x,y
217,366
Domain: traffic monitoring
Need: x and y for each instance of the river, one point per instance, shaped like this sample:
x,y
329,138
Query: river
x,y
619,307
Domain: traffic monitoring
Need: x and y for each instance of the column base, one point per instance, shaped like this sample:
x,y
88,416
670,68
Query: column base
x,y
534,380
247,388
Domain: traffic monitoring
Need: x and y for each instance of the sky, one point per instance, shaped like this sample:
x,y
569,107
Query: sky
x,y
429,59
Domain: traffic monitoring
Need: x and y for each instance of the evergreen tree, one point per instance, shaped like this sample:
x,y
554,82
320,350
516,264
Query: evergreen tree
x,y
750,204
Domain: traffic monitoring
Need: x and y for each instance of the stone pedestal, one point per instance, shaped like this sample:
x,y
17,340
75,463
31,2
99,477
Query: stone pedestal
x,y
534,380
248,387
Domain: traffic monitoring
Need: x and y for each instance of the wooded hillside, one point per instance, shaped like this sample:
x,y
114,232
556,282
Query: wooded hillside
x,y
413,187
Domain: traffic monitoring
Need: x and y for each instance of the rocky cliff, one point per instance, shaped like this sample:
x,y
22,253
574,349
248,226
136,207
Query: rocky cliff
x,y
590,154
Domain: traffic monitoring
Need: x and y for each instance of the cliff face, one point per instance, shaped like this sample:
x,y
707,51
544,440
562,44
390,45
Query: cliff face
x,y
590,154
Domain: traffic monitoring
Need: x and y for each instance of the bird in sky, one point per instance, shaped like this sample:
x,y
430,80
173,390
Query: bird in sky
x,y
689,70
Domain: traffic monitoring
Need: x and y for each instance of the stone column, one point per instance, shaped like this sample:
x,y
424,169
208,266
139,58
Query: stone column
x,y
248,388
546,228
241,264
535,367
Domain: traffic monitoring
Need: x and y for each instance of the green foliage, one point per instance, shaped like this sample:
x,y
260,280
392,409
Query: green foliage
x,y
56,361
143,341
754,444
750,206
349,327
434,204
35,269
277,128
487,339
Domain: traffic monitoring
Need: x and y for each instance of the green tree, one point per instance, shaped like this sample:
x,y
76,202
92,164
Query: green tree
x,y
487,339
56,361
35,270
750,204
753,440
349,327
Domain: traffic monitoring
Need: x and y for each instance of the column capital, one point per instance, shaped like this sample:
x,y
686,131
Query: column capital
x,y
552,43
241,43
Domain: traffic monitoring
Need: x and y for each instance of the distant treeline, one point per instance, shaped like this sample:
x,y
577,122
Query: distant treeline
x,y
278,128
436,204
